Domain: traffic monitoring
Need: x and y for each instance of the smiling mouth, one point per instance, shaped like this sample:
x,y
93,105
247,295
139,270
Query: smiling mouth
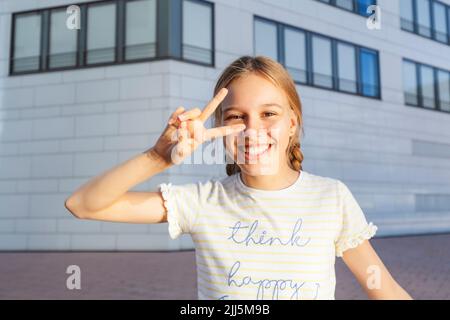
x,y
255,152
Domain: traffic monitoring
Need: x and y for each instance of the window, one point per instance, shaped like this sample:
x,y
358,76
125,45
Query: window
x,y
266,39
427,87
345,4
101,33
410,83
423,17
295,54
322,62
369,73
440,22
346,67
363,5
27,43
140,36
355,6
317,60
63,41
407,15
197,31
428,18
112,32
444,90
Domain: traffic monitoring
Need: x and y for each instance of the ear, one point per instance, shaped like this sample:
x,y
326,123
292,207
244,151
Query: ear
x,y
293,123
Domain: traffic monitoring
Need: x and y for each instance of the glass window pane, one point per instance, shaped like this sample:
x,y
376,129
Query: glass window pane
x,y
427,85
369,73
347,67
410,83
140,34
345,4
63,41
407,16
423,17
322,63
444,89
101,33
363,5
27,42
197,31
266,39
440,22
295,54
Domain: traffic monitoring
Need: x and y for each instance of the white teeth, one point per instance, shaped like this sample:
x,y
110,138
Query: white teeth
x,y
257,150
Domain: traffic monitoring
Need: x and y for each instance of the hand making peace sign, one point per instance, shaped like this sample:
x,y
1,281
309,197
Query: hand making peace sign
x,y
185,131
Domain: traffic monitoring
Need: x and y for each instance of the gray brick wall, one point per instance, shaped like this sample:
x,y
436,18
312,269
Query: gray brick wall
x,y
59,129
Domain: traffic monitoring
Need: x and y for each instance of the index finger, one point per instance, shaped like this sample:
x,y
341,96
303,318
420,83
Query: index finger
x,y
213,104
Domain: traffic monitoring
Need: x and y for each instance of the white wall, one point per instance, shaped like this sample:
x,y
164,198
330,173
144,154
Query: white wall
x,y
59,129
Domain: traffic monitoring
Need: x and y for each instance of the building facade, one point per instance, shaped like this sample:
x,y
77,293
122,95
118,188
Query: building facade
x,y
85,88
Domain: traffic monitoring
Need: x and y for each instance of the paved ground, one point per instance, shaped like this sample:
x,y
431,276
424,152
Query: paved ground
x,y
421,264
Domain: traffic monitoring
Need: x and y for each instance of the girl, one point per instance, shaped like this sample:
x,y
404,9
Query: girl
x,y
269,230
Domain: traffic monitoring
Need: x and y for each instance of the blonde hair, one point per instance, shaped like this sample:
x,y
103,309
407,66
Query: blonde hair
x,y
278,75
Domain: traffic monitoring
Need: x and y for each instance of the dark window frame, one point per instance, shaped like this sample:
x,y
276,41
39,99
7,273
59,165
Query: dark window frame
x,y
437,101
282,50
118,26
357,74
416,75
332,56
12,42
119,46
278,32
437,88
434,30
377,60
355,4
430,16
213,50
309,58
49,43
415,21
121,51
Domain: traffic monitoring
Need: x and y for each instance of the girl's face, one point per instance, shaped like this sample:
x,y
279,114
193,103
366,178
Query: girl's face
x,y
264,109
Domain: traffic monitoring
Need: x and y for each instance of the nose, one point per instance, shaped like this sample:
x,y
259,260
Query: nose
x,y
253,123
255,131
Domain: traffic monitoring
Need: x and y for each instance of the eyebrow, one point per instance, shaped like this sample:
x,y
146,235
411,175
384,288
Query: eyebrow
x,y
272,104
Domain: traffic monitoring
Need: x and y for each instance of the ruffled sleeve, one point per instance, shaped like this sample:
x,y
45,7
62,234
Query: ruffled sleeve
x,y
172,215
354,228
183,204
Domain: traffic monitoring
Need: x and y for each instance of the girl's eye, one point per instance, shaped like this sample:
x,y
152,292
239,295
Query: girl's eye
x,y
233,117
236,117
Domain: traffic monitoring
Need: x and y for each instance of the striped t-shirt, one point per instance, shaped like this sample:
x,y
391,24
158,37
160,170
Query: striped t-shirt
x,y
258,244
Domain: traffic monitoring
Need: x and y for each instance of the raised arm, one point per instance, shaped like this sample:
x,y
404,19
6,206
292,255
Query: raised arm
x,y
106,197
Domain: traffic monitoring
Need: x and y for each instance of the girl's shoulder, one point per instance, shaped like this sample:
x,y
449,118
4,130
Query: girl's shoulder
x,y
337,186
316,180
204,186
325,184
